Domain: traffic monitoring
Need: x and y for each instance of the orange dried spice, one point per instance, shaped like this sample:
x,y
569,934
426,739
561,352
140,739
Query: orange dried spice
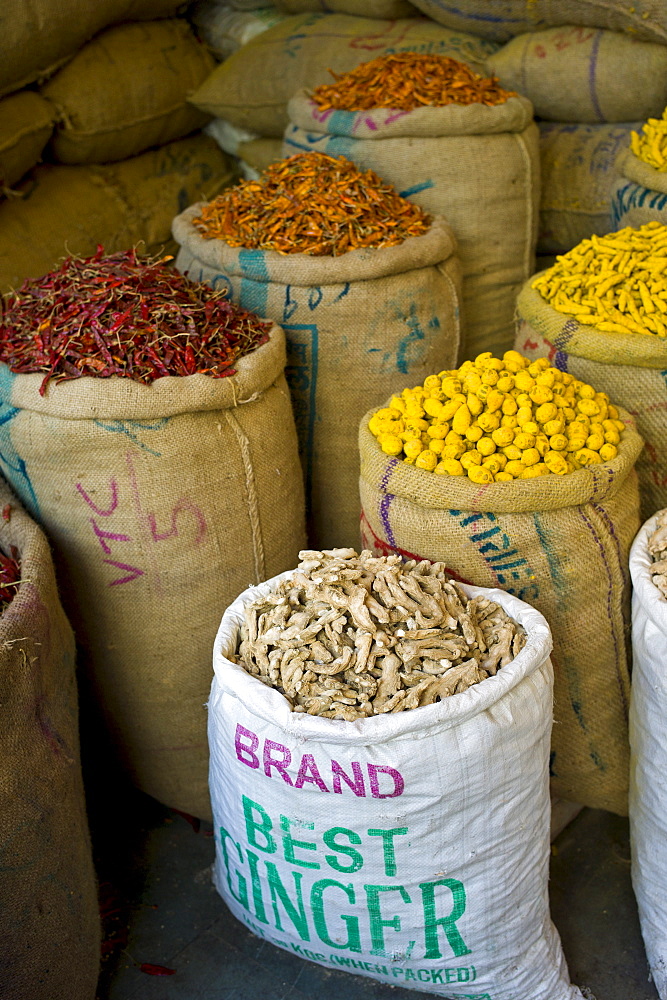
x,y
312,203
406,81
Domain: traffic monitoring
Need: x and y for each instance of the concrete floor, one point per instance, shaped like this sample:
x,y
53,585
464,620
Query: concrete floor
x,y
161,908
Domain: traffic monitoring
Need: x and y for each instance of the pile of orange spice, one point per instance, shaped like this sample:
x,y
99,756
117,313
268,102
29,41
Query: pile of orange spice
x,y
406,81
315,204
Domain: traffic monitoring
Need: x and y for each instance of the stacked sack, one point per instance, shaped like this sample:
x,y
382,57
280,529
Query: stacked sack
x,y
249,91
112,123
590,86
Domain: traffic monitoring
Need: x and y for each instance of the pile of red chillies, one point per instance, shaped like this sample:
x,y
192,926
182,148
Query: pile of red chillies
x,y
125,315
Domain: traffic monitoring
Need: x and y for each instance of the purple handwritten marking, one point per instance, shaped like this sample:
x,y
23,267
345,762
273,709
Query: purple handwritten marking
x,y
114,499
112,536
134,572
386,502
320,116
182,506
396,115
371,124
592,68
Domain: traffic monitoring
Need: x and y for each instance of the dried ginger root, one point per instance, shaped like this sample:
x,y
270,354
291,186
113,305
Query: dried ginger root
x,y
657,547
349,636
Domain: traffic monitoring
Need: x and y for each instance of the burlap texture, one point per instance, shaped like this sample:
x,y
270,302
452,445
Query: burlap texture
x,y
477,166
26,122
49,922
639,193
259,153
559,543
576,74
251,88
73,209
39,36
360,8
503,19
126,91
357,325
578,165
629,367
162,502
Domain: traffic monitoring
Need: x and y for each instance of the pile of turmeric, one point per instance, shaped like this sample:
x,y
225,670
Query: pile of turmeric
x,y
651,144
495,420
615,283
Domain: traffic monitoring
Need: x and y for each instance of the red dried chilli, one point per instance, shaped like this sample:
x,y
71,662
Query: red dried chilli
x,y
10,577
126,315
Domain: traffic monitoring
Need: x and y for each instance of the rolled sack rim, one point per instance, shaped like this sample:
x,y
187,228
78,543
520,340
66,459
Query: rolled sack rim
x,y
521,496
570,336
272,707
435,247
633,169
513,115
644,591
119,398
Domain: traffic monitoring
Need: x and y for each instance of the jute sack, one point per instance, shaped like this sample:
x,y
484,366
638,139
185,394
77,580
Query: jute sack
x,y
360,8
356,326
251,88
49,921
126,91
26,122
648,756
562,544
639,193
503,19
39,36
575,74
629,367
73,209
475,165
579,173
255,152
161,503
447,806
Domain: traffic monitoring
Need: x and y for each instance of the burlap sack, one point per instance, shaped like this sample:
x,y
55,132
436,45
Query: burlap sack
x,y
72,209
251,88
559,543
575,74
579,173
39,36
361,8
49,922
161,502
629,367
639,192
356,326
26,122
126,91
258,153
503,19
477,166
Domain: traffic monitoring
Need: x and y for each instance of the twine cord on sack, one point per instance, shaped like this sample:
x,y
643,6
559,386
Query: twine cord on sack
x,y
251,492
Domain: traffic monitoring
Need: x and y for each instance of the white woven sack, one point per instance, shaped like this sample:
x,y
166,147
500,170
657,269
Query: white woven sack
x,y
411,848
648,756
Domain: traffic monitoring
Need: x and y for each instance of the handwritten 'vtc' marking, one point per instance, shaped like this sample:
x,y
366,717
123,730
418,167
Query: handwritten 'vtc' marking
x,y
147,522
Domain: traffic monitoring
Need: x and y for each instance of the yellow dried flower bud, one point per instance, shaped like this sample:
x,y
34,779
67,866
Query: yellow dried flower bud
x,y
449,467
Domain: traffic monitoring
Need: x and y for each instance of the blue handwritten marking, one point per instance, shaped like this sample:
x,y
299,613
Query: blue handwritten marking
x,y
416,189
308,139
414,336
17,471
516,576
130,427
343,292
254,291
301,375
219,280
